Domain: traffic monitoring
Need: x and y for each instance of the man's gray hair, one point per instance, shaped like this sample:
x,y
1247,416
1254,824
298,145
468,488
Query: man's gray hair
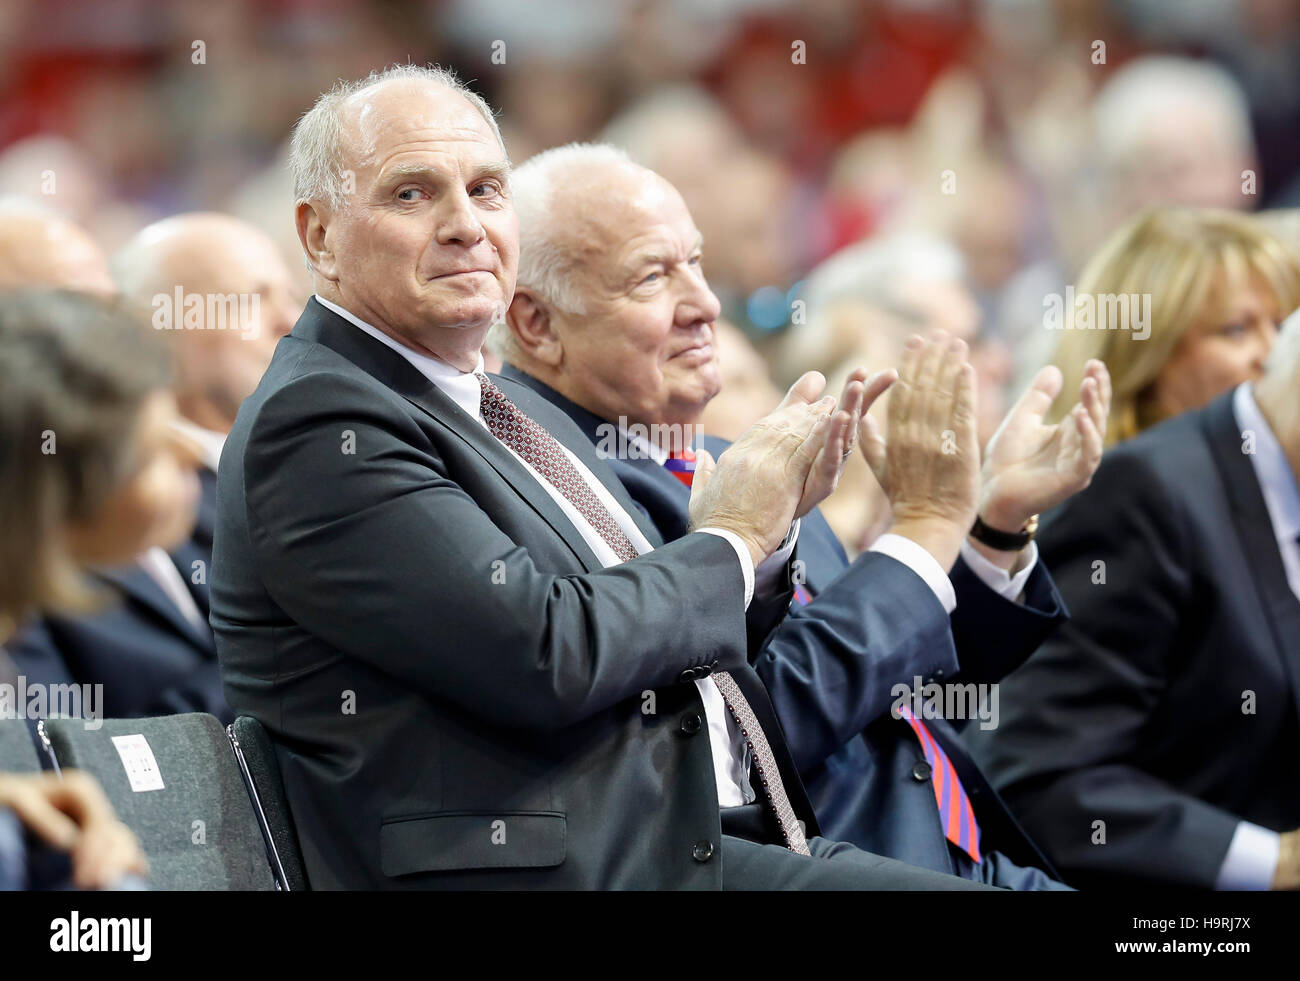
x,y
1166,86
546,260
316,150
873,272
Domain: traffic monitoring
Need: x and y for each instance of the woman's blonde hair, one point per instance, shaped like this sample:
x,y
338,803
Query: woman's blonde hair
x,y
1179,267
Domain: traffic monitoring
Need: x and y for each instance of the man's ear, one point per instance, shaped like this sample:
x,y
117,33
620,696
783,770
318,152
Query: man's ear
x,y
529,320
315,243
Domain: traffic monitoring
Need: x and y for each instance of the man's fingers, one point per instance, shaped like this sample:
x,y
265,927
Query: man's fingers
x,y
704,467
963,403
1091,444
807,389
874,449
31,803
901,398
1040,394
876,386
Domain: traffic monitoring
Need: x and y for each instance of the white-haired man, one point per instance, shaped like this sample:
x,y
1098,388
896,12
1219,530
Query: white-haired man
x,y
477,669
612,321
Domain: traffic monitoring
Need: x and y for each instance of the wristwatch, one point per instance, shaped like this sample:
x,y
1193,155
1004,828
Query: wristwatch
x,y
1004,541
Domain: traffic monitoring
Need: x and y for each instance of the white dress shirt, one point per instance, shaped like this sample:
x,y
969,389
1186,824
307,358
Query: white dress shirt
x,y
1252,856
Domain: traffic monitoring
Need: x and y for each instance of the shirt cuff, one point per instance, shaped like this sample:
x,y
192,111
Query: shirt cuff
x,y
996,578
925,565
1251,861
742,553
769,577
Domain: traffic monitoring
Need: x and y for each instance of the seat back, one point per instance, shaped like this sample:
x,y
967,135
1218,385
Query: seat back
x,y
175,782
256,756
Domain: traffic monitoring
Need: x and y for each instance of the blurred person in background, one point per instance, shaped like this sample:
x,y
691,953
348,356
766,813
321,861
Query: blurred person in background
x,y
40,248
861,305
747,390
93,472
613,321
1163,130
153,651
1203,293
1154,739
1173,131
742,198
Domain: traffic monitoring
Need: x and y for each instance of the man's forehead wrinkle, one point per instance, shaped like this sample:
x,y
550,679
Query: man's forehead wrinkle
x,y
389,113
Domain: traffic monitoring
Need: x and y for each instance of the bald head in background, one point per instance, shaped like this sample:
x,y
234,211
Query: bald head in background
x,y
212,255
43,249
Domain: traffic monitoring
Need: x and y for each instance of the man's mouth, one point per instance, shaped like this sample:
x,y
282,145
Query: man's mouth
x,y
697,352
463,272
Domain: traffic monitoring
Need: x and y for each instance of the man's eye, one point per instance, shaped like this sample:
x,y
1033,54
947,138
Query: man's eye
x,y
696,260
408,194
651,278
487,187
1233,330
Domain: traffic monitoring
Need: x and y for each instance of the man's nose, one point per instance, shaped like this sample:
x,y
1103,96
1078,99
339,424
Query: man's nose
x,y
458,223
698,303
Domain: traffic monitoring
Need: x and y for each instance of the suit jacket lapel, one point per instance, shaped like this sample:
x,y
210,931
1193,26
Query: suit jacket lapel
x,y
588,423
138,586
1259,542
322,326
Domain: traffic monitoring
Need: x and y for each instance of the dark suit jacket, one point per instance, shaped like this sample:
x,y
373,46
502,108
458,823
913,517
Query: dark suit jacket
x,y
149,658
831,665
1133,714
460,695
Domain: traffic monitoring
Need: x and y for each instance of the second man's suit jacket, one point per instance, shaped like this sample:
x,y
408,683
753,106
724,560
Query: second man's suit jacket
x,y
460,695
831,666
1134,741
149,657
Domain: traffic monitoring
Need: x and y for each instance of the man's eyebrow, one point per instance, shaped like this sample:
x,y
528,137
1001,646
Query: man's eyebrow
x,y
498,169
653,254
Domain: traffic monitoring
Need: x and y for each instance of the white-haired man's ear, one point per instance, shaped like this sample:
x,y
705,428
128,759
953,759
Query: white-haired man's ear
x,y
532,332
315,243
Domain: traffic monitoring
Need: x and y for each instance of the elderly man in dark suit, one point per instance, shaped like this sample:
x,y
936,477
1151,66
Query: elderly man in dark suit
x,y
1155,740
612,323
477,669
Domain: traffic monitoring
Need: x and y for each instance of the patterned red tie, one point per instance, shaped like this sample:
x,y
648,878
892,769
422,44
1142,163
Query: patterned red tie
x,y
543,452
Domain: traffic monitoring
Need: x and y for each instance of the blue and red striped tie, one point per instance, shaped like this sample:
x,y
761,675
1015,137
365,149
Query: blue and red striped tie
x,y
682,466
955,811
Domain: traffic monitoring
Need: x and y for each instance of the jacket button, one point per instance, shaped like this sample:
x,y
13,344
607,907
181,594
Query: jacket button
x,y
921,771
690,724
687,676
702,851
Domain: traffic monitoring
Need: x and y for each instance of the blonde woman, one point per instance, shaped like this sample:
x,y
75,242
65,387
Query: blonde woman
x,y
1181,304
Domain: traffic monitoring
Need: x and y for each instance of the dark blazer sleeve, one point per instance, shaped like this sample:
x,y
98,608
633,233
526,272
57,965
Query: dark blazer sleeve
x,y
831,665
995,635
383,556
1067,751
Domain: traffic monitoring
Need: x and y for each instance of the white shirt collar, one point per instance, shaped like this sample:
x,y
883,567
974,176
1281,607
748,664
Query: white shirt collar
x,y
1277,481
646,448
460,386
209,441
